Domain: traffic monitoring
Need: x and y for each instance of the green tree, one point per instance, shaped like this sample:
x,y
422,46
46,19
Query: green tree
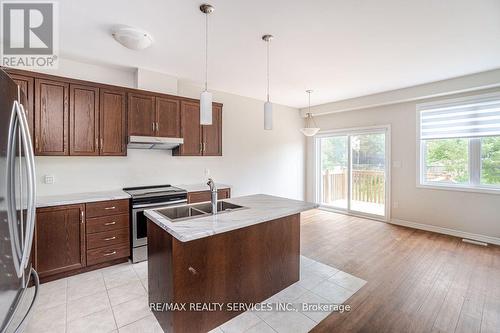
x,y
490,156
450,155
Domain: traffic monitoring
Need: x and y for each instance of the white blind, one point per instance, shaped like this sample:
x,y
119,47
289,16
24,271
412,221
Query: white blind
x,y
465,118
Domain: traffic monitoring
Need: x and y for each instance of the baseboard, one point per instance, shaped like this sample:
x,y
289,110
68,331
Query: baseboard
x,y
447,231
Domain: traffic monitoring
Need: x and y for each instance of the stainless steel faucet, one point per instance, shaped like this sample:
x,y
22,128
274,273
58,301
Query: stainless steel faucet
x,y
213,191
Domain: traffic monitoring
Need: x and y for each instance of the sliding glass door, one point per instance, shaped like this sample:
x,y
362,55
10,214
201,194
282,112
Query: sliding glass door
x,y
352,171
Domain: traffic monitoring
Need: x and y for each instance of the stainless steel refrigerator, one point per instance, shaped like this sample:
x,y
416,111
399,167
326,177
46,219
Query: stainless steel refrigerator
x,y
18,280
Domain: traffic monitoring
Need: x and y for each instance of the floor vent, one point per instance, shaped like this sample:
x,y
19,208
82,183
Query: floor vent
x,y
465,240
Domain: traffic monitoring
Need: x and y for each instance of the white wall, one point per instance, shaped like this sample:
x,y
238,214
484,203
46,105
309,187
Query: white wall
x,y
464,211
253,161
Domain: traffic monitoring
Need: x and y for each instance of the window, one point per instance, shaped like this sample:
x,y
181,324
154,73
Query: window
x,y
460,143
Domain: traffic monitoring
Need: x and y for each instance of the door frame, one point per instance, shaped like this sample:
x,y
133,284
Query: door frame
x,y
317,169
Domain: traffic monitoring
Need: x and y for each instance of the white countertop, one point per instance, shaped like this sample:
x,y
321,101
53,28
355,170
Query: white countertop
x,y
200,187
77,198
260,208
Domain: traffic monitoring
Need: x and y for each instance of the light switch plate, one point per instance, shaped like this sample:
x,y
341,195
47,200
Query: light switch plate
x,y
49,179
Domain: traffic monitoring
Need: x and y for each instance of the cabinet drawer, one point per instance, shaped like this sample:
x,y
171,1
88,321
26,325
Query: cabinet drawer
x,y
106,208
107,253
101,239
107,223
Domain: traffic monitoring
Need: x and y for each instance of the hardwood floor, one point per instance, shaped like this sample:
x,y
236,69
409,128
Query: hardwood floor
x,y
418,281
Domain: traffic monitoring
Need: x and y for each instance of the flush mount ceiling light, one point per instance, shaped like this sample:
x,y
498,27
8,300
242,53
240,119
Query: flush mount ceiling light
x,y
311,128
133,38
268,106
206,96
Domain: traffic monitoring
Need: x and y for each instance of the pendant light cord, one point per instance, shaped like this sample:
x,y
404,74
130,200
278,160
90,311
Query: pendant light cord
x,y
206,52
268,70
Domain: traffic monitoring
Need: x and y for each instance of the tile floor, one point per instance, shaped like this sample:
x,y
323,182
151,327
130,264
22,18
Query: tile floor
x,y
114,299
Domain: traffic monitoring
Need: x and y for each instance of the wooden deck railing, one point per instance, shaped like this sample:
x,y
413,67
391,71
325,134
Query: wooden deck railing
x,y
367,186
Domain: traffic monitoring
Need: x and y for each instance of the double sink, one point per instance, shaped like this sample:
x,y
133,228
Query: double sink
x,y
181,213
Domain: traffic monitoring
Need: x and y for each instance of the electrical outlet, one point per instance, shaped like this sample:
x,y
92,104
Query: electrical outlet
x,y
395,204
396,164
207,172
49,179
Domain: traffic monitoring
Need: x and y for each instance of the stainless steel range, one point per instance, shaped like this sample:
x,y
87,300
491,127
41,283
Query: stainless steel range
x,y
144,198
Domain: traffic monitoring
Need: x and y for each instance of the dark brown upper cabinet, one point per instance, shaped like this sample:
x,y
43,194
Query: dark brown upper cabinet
x,y
113,131
51,117
59,239
83,120
200,140
190,130
141,115
168,118
212,134
27,85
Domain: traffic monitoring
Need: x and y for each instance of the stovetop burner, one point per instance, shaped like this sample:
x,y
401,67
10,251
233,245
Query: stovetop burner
x,y
153,191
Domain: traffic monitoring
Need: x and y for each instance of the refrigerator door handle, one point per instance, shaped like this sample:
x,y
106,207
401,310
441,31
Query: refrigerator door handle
x,y
30,164
17,251
20,328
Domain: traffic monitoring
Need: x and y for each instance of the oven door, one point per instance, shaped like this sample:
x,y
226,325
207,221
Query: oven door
x,y
140,221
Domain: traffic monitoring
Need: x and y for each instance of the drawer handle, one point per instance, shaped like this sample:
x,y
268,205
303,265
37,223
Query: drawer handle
x,y
110,238
108,208
110,223
110,253
192,271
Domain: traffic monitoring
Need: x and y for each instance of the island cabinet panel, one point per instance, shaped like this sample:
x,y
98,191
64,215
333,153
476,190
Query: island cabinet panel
x,y
51,117
141,115
113,131
59,239
27,85
246,265
168,118
201,196
83,120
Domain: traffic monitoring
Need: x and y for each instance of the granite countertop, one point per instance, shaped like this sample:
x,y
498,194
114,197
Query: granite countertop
x,y
260,208
200,187
77,198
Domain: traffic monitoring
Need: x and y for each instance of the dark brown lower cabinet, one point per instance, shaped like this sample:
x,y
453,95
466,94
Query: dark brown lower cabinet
x,y
67,242
201,196
59,239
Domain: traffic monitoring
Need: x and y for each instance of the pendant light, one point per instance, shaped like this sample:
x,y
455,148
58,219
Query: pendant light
x,y
206,96
311,128
268,106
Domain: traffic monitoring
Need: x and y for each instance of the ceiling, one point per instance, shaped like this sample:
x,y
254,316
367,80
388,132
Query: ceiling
x,y
340,49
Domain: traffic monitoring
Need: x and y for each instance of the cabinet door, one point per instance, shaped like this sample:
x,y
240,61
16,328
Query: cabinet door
x,y
190,129
212,134
51,117
141,115
83,120
59,239
168,118
112,123
27,85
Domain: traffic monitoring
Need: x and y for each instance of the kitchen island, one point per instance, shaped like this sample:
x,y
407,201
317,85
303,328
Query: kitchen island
x,y
209,267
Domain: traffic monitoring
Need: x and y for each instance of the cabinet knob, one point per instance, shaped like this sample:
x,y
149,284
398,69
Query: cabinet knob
x,y
192,270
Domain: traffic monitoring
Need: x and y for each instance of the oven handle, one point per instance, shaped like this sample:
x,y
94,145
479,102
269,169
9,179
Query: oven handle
x,y
160,204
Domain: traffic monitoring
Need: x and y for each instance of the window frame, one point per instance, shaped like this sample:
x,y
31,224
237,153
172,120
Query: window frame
x,y
474,162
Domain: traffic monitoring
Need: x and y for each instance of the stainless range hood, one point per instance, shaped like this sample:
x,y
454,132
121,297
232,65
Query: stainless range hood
x,y
153,142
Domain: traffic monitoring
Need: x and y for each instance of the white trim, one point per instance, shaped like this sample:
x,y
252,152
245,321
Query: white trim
x,y
447,231
388,164
460,188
